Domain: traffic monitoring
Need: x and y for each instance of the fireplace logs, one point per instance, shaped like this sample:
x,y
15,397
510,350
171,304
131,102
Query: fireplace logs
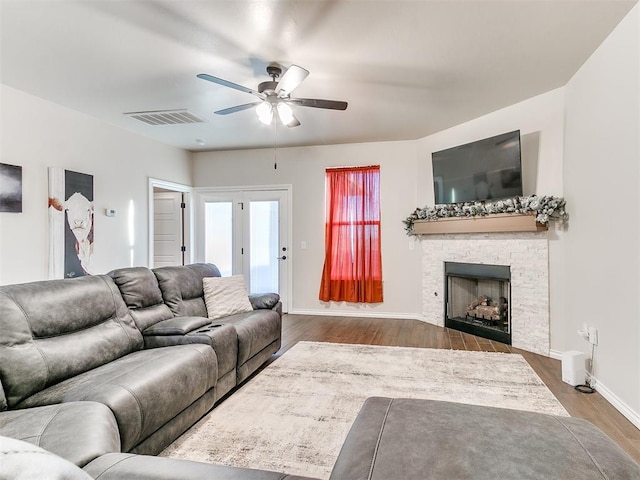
x,y
486,309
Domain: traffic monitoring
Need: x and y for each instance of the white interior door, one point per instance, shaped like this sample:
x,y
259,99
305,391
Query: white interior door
x,y
247,232
168,231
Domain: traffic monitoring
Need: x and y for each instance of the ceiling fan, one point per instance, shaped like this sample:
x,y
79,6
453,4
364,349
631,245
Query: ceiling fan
x,y
275,95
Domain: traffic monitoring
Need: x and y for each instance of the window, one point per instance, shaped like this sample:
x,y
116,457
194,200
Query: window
x,y
353,264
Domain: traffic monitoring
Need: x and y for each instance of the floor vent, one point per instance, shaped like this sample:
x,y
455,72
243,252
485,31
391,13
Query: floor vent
x,y
165,117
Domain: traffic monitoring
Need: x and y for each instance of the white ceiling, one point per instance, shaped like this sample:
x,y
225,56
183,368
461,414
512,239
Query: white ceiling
x,y
407,68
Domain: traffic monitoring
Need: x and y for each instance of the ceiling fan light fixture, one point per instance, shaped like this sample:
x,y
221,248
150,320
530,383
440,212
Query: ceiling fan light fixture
x,y
275,95
265,113
285,113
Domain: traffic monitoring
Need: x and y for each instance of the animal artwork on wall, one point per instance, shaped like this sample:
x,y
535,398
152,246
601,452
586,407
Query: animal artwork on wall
x,y
70,223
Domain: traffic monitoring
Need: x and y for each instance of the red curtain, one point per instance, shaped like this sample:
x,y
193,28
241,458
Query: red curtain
x,y
353,262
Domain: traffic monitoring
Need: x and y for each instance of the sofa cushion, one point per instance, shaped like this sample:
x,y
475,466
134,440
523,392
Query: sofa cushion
x,y
176,326
221,337
141,293
256,330
182,290
53,330
118,466
25,461
144,390
426,439
77,431
225,296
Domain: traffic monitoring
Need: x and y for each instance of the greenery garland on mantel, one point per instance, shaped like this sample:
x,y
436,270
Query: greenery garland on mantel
x,y
545,208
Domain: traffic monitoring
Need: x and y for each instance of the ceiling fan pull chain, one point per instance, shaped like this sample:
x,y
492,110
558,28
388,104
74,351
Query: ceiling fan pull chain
x,y
275,145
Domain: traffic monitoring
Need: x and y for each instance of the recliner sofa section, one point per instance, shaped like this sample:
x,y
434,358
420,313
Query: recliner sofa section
x,y
160,328
258,333
75,339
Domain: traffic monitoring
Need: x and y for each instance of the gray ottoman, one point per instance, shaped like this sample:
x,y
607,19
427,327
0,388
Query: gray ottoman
x,y
424,439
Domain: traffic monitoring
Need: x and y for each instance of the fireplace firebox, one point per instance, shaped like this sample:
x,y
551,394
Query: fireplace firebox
x,y
478,299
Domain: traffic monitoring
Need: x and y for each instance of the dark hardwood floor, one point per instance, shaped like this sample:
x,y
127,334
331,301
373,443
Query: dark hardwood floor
x,y
413,333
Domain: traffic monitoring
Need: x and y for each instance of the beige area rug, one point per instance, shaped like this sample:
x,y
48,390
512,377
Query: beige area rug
x,y
294,415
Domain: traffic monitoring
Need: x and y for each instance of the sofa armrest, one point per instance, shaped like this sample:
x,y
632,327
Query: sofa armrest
x,y
264,300
76,431
117,466
176,326
25,461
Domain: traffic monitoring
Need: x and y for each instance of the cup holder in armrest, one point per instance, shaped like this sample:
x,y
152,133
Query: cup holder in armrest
x,y
208,328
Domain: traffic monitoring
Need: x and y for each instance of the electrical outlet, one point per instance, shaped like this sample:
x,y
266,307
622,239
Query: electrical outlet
x,y
593,335
584,331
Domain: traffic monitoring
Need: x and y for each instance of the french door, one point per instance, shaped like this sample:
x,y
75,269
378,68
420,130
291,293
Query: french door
x,y
247,232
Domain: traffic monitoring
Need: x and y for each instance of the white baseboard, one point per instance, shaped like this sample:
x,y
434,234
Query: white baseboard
x,y
612,398
555,354
352,313
622,407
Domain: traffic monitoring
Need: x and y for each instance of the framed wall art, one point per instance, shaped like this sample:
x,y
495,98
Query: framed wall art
x,y
70,223
10,188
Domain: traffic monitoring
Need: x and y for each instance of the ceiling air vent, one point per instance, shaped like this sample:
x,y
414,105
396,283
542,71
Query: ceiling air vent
x,y
165,117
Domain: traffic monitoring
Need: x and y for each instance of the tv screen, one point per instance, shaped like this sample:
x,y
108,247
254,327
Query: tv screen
x,y
488,169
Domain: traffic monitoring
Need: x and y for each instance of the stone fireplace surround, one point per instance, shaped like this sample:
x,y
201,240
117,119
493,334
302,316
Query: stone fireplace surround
x,y
528,255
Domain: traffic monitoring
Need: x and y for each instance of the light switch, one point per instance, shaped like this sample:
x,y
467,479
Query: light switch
x,y
303,245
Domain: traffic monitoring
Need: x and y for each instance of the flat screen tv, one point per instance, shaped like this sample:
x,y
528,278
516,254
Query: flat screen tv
x,y
488,169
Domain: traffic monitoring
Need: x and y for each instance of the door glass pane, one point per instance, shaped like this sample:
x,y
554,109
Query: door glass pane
x,y
218,240
264,246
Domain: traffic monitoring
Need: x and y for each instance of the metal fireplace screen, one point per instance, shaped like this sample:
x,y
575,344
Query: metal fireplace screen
x,y
478,299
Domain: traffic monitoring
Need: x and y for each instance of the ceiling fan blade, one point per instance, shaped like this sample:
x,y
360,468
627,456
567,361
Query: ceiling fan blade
x,y
237,108
318,103
226,83
293,123
291,79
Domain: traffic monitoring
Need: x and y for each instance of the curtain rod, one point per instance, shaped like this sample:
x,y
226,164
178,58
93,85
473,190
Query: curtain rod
x,y
353,166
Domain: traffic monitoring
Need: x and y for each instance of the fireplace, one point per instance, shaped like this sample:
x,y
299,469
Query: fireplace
x,y
526,253
478,299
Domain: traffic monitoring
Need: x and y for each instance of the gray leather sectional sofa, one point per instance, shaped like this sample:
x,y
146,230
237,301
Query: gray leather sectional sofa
x,y
123,362
97,374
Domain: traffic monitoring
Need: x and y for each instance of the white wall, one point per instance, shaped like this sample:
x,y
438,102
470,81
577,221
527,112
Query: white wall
x,y
540,121
36,135
406,184
304,168
601,184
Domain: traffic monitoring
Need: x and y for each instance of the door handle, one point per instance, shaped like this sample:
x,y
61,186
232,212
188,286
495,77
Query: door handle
x,y
284,257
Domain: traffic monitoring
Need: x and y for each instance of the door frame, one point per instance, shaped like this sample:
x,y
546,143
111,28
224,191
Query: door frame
x,y
200,194
188,216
